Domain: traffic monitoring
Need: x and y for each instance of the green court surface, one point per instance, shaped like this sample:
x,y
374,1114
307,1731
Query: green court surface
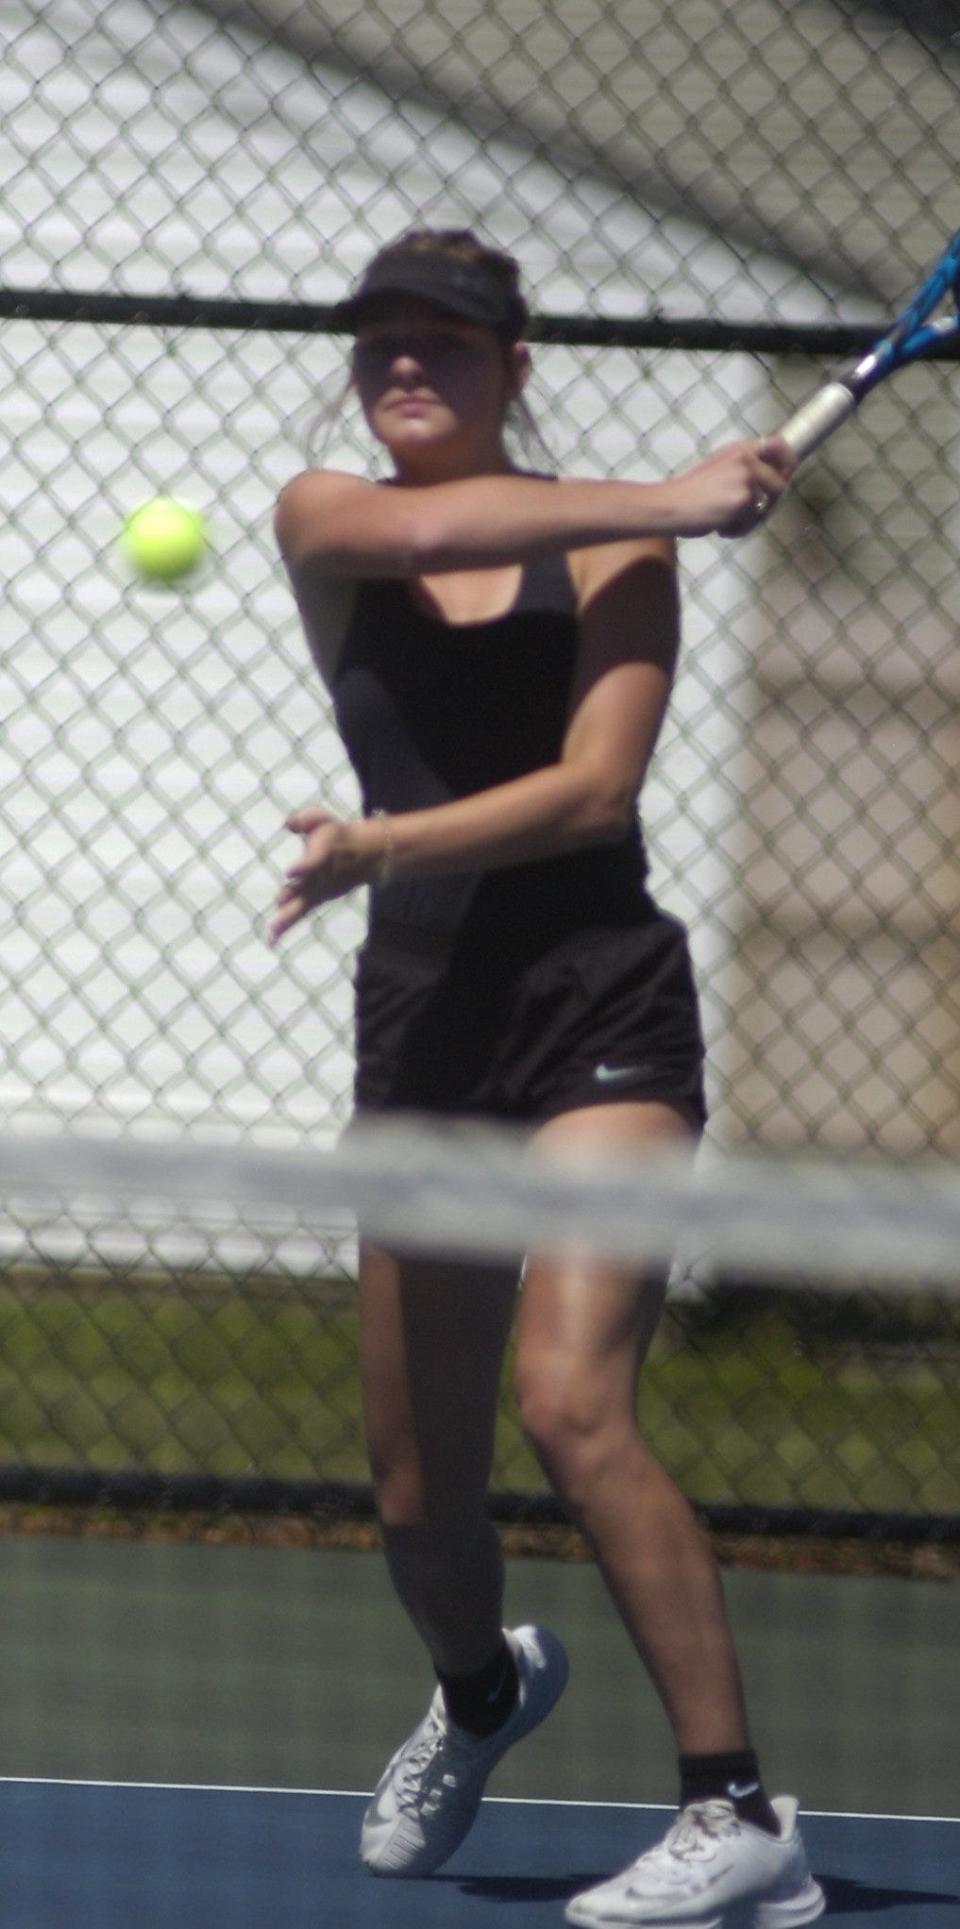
x,y
252,1666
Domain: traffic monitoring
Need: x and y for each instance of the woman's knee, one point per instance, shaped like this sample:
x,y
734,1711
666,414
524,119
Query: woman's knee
x,y
440,1514
573,1420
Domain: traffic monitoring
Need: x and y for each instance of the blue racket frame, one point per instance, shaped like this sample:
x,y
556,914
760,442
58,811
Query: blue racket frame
x,y
912,336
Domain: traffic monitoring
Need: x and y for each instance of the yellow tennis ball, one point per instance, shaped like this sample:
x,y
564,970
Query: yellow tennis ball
x,y
165,539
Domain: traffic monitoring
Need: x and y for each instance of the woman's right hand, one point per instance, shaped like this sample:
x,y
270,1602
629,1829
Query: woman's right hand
x,y
735,488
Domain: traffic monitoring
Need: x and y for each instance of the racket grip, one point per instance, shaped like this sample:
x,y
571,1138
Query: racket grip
x,y
818,418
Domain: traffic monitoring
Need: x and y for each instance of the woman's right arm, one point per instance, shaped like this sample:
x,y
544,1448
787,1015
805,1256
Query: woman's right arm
x,y
346,527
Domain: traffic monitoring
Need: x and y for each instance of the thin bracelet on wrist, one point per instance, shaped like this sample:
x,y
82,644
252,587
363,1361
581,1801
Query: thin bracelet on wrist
x,y
384,870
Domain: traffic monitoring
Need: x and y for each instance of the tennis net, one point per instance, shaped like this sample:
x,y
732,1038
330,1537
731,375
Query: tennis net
x,y
177,1319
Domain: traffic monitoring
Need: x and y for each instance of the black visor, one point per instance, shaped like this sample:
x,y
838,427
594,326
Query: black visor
x,y
457,287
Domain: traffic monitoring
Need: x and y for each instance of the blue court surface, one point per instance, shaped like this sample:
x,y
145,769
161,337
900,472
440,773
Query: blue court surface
x,y
104,1855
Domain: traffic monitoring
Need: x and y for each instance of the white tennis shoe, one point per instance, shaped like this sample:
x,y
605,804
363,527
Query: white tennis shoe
x,y
709,1861
429,1793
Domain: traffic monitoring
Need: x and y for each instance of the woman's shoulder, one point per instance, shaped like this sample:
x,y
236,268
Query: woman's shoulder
x,y
308,497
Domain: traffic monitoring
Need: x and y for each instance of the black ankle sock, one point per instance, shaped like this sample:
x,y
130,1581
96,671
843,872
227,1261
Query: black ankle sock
x,y
483,1701
730,1778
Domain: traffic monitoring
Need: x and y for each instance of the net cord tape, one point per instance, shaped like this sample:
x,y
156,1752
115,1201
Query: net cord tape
x,y
481,1194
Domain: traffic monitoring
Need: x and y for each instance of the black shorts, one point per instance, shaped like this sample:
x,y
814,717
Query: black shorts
x,y
486,1031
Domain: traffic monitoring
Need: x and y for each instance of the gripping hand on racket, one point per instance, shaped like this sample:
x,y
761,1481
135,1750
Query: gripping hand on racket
x,y
734,489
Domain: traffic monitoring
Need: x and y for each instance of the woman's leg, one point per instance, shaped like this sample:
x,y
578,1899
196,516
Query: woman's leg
x,y
432,1344
431,1349
584,1330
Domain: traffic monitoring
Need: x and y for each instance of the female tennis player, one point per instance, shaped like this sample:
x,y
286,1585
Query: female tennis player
x,y
499,647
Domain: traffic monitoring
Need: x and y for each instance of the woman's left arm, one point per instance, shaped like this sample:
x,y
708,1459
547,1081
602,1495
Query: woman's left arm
x,y
629,638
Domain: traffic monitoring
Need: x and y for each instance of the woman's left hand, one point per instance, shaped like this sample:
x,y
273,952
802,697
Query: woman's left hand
x,y
336,858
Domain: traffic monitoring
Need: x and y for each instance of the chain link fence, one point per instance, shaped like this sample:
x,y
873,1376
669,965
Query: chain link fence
x,y
704,201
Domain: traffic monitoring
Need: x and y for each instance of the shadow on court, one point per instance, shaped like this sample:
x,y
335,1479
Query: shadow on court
x,y
864,1902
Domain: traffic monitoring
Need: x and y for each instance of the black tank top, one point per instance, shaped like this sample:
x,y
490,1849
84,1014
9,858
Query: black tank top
x,y
430,711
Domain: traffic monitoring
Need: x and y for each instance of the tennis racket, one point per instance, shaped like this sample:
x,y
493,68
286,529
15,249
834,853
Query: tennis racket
x,y
912,336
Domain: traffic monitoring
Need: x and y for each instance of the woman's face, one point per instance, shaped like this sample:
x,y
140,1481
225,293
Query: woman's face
x,y
434,389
